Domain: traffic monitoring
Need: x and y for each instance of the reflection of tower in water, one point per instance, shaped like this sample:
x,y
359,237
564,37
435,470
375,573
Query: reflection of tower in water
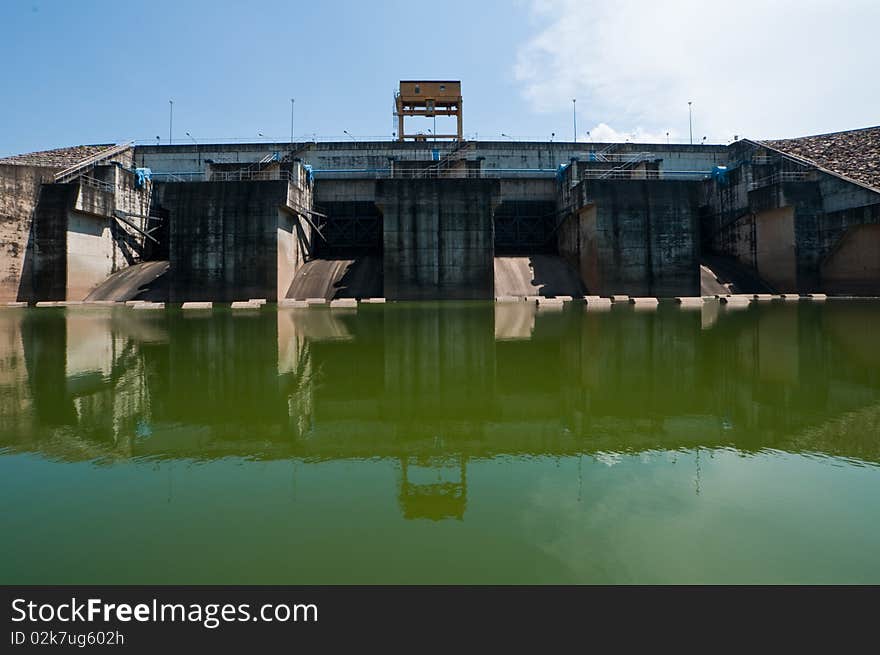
x,y
433,487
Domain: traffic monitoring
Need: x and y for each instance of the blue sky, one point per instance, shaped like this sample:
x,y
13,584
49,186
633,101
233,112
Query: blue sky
x,y
96,71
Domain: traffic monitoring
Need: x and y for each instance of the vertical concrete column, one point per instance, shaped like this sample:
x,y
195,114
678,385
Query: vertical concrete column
x,y
438,237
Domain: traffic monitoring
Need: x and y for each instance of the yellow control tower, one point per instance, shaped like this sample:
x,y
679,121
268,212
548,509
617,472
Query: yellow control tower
x,y
428,99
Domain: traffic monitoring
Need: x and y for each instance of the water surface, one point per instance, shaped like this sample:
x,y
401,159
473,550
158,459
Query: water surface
x,y
441,443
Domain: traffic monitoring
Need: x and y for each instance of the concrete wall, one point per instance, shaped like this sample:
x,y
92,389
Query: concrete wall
x,y
636,237
19,193
853,267
290,256
438,237
229,240
90,254
775,248
48,248
783,219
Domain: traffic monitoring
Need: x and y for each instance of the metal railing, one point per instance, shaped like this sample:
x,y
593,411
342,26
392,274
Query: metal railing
x,y
69,173
780,176
635,174
95,183
243,175
195,176
421,173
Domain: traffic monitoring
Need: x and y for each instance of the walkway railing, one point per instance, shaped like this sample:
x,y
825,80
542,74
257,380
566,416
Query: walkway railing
x,y
69,173
95,183
635,174
421,173
243,175
780,176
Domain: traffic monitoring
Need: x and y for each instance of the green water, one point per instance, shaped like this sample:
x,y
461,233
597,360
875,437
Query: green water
x,y
441,443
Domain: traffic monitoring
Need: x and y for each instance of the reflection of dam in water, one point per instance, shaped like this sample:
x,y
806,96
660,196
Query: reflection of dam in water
x,y
441,442
430,384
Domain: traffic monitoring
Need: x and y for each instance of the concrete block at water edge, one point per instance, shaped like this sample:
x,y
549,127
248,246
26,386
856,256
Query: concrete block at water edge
x,y
549,303
817,296
197,305
343,303
599,305
565,298
47,303
149,305
13,304
508,299
533,298
619,298
762,297
789,296
244,304
296,304
375,301
589,298
316,302
258,301
644,301
731,301
690,301
132,303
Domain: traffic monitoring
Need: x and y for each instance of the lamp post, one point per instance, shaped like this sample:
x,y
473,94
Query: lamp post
x,y
691,121
508,136
574,117
291,119
349,135
170,119
198,151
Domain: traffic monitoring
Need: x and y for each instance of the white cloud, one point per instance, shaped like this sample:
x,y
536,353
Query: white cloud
x,y
752,68
604,133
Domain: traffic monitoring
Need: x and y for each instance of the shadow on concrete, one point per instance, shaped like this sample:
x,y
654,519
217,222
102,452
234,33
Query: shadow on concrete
x,y
536,275
358,277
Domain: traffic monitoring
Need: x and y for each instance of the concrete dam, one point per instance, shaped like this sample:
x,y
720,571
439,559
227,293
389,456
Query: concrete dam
x,y
455,219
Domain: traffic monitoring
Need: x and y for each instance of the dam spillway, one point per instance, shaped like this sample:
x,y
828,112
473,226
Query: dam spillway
x,y
435,220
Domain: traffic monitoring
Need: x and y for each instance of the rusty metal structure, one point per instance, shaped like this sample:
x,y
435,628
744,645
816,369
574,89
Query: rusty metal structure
x,y
428,99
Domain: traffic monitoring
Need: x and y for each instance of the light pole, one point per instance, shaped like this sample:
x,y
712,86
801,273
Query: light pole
x,y
667,138
508,136
291,119
170,119
349,135
574,117
691,121
198,152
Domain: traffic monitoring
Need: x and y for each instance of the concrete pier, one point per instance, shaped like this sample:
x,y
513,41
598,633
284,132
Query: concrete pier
x,y
438,237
